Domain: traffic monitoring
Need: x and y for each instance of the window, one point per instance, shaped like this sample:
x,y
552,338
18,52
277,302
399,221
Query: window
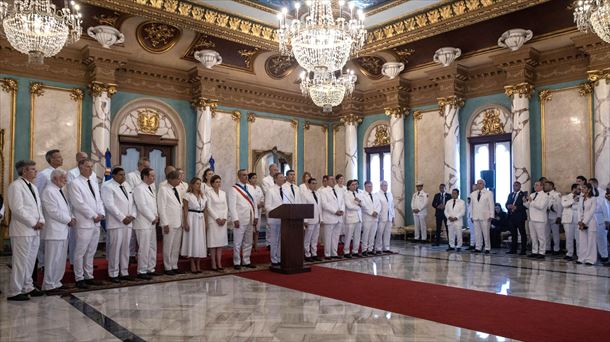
x,y
490,159
378,165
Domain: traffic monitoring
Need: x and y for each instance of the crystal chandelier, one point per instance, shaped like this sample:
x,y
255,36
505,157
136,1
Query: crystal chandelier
x,y
37,28
319,42
325,89
593,15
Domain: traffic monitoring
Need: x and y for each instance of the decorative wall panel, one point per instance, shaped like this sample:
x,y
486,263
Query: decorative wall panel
x,y
339,149
8,97
315,151
225,147
267,133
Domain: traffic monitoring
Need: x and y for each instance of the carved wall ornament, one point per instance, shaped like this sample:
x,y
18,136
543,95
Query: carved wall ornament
x,y
418,115
370,66
108,19
307,125
492,124
278,66
490,119
36,88
236,115
251,117
396,112
351,119
98,88
451,101
521,89
9,85
381,135
596,75
585,88
545,95
403,54
148,120
157,37
249,56
76,94
202,102
294,124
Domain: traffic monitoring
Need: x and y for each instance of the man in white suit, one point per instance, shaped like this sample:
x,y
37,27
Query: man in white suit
x,y
386,219
24,230
419,204
59,220
482,206
134,178
455,209
333,208
341,189
120,213
312,225
352,219
169,205
537,203
554,212
274,197
569,219
75,172
144,226
72,174
88,209
244,213
291,189
269,180
371,207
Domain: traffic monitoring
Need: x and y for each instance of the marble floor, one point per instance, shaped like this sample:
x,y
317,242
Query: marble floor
x,y
231,308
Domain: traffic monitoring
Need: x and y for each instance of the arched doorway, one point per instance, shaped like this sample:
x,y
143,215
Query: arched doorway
x,y
378,156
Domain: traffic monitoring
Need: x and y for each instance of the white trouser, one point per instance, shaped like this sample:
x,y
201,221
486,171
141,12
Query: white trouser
x,y
71,244
571,230
481,230
331,239
133,245
54,263
384,233
147,249
602,240
171,248
311,240
118,243
552,234
369,229
40,255
472,232
268,234
84,251
353,232
455,233
275,242
538,237
25,249
587,245
242,243
421,232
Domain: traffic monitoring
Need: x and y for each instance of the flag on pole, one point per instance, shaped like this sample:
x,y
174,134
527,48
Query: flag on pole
x,y
212,163
108,170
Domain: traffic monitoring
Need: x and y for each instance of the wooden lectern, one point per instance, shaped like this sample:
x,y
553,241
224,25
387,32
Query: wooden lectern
x,y
292,232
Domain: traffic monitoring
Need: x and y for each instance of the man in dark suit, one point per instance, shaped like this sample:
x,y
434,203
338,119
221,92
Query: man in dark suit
x,y
439,204
517,215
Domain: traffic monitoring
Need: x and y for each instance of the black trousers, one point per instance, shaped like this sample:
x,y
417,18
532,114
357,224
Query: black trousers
x,y
439,226
520,227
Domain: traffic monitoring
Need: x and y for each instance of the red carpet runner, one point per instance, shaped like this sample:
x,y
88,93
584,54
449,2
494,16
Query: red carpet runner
x,y
512,317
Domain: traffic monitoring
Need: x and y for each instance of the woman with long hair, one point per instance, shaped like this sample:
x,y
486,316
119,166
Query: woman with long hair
x,y
218,212
206,178
304,181
587,225
193,239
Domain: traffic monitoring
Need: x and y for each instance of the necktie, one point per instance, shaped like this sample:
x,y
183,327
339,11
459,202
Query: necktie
x,y
371,196
124,192
386,196
150,189
354,193
314,196
31,190
91,188
334,192
177,196
516,195
443,197
281,193
453,203
62,195
292,189
479,196
535,195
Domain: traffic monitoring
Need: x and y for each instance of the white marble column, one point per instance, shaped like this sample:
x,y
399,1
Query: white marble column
x,y
521,153
450,109
205,112
100,126
601,125
397,157
351,122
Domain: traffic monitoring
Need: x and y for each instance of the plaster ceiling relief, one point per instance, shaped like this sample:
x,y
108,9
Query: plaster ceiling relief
x,y
234,55
278,66
370,66
157,37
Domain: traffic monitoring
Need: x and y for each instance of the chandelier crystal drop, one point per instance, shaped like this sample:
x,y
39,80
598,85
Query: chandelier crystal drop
x,y
325,89
37,28
593,15
319,41
600,21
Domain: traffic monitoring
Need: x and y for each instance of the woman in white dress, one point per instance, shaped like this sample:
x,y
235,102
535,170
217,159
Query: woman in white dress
x,y
218,211
193,239
304,180
587,225
205,180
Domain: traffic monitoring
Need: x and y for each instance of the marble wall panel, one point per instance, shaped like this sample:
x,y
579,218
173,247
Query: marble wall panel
x,y
315,151
225,148
566,137
339,149
267,133
429,156
7,115
55,123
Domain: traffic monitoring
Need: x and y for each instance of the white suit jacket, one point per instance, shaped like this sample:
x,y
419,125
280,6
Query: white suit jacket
x,y
134,179
420,201
145,201
57,213
307,198
353,211
169,207
602,210
555,208
482,209
570,208
267,183
289,196
259,196
217,205
330,205
588,213
118,207
242,204
43,179
85,207
274,200
369,206
538,206
458,211
75,172
387,206
25,211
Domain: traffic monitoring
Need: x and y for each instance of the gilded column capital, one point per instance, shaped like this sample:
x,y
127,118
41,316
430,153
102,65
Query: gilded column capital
x,y
97,88
202,102
351,119
9,85
397,112
522,89
451,101
595,75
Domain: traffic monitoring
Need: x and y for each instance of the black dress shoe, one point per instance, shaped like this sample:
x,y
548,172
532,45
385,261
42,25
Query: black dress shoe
x,y
588,264
379,252
237,267
470,248
450,249
153,274
327,258
349,256
476,251
316,258
364,254
170,273
487,251
567,257
250,266
178,271
144,276
457,249
115,280
604,260
523,253
335,257
435,244
36,293
93,282
540,256
578,262
127,278
81,284
275,264
387,251
308,259
20,297
533,255
359,255
511,252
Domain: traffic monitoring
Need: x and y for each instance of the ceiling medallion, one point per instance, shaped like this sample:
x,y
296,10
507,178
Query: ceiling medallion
x,y
278,66
148,121
157,37
371,66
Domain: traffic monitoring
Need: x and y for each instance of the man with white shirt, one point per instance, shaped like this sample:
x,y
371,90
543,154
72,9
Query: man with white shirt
x,y
538,203
120,213
88,209
386,219
371,206
244,213
333,207
59,219
483,209
269,180
569,219
352,219
455,209
602,216
312,225
24,230
72,174
168,169
75,172
419,204
169,206
274,197
134,178
341,190
183,186
554,217
144,226
291,189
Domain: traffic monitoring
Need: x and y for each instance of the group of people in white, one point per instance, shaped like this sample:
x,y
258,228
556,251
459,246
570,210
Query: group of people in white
x,y
583,213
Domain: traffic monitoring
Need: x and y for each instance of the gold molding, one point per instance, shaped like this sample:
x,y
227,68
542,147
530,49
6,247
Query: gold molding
x,y
545,95
76,94
9,85
307,125
251,117
97,88
586,88
451,101
172,40
202,102
522,89
36,89
351,119
595,75
397,112
236,115
418,114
